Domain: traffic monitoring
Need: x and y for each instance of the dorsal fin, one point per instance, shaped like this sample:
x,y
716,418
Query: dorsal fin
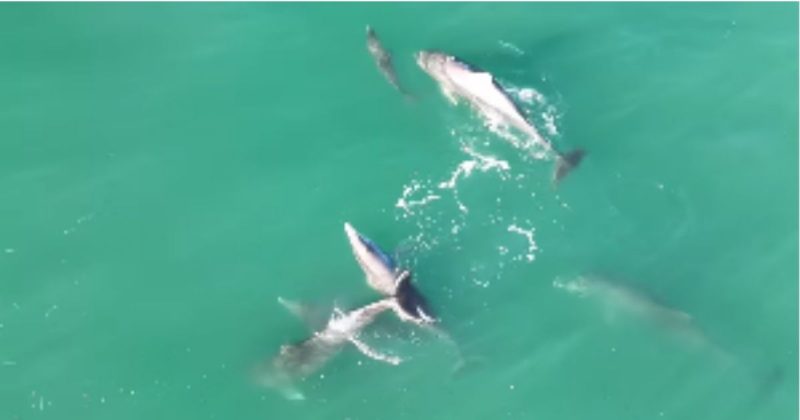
x,y
485,77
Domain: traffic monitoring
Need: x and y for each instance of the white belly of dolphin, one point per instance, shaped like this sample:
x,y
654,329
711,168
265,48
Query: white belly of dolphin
x,y
380,274
297,361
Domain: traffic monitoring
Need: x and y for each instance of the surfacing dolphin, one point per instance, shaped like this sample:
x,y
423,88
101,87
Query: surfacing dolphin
x,y
383,60
388,279
297,361
460,80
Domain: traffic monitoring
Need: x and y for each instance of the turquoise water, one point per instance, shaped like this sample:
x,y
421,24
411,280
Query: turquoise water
x,y
167,171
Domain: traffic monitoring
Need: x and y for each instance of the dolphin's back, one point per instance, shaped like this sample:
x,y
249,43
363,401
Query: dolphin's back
x,y
480,87
387,260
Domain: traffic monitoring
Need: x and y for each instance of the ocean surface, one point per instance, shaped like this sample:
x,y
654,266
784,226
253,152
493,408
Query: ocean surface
x,y
168,171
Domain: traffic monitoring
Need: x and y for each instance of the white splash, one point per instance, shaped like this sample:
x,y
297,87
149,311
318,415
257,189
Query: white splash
x,y
407,204
477,161
478,277
549,118
511,47
528,234
528,95
481,283
483,163
464,169
577,286
79,221
530,145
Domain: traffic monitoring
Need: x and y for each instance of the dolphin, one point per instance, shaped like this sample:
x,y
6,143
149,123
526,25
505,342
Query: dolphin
x,y
383,60
618,297
460,80
299,360
388,279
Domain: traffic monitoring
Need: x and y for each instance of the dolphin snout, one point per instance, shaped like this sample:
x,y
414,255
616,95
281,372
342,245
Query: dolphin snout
x,y
348,229
352,235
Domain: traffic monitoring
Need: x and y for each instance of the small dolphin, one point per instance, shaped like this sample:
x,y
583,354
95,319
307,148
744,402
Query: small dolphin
x,y
383,60
459,80
298,361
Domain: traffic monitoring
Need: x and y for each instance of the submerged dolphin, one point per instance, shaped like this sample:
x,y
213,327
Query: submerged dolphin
x,y
459,80
386,278
299,360
383,60
618,297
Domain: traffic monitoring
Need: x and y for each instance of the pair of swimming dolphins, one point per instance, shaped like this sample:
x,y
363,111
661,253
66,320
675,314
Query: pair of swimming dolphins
x,y
459,80
400,296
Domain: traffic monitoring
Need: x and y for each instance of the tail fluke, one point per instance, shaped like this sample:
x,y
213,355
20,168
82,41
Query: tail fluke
x,y
566,163
267,376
